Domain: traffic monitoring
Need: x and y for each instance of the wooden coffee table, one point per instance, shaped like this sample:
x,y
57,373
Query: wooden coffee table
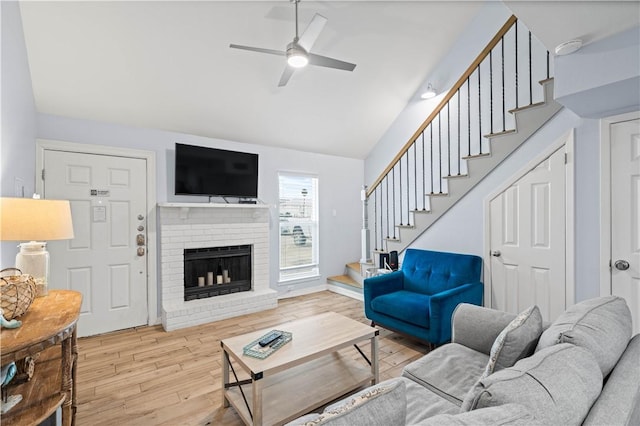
x,y
306,373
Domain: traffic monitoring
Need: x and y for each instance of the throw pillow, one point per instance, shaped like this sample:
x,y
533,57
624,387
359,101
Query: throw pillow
x,y
558,384
382,404
601,325
516,341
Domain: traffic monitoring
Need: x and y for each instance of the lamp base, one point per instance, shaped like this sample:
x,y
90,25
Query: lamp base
x,y
33,259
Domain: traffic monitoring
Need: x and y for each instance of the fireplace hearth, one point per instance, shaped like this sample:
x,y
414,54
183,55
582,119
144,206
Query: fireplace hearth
x,y
215,271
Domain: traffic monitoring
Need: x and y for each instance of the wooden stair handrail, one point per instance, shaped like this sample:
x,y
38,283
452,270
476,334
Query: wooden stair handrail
x,y
493,43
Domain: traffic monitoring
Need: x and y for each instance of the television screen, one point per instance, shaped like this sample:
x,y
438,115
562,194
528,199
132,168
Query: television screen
x,y
215,172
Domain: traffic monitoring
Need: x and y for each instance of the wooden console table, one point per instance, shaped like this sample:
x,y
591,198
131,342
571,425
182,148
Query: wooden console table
x,y
48,328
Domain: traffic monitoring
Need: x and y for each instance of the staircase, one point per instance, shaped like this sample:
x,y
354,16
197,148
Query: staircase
x,y
350,283
502,99
528,120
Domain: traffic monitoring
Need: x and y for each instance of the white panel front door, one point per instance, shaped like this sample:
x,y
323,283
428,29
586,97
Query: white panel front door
x,y
527,231
625,215
108,206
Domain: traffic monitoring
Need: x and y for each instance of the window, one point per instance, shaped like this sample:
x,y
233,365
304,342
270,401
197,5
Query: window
x,y
298,210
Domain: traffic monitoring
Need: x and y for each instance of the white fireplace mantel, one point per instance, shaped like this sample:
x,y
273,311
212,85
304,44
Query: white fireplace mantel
x,y
199,225
185,208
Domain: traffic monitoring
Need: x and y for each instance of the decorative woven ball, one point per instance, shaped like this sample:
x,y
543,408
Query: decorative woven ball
x,y
17,291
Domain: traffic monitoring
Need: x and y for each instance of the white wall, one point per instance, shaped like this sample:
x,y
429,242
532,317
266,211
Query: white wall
x,y
18,112
340,183
611,85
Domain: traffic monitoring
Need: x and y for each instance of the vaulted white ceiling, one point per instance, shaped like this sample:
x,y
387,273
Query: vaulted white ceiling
x,y
167,64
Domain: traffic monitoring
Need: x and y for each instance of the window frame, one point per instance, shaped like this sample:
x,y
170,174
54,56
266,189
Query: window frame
x,y
312,222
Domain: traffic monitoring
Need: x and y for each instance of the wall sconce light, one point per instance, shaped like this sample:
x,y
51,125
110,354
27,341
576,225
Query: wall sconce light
x,y
429,93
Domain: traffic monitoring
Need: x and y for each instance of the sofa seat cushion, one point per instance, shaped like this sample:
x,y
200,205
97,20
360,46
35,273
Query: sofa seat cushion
x,y
382,404
423,404
601,325
559,384
449,371
504,415
407,306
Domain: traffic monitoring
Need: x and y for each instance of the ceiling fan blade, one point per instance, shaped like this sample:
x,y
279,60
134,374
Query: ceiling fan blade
x,y
311,33
258,49
324,61
286,75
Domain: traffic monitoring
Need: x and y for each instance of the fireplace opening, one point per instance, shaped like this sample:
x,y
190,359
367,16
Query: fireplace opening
x,y
214,271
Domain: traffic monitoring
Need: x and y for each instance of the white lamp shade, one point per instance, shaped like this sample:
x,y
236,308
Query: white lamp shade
x,y
26,219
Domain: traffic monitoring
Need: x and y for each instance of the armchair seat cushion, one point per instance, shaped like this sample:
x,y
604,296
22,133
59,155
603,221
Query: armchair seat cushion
x,y
404,305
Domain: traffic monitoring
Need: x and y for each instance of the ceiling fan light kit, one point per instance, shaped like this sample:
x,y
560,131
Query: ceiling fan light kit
x,y
298,52
296,56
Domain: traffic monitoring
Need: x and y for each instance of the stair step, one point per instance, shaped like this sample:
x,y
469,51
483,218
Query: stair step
x,y
405,226
497,134
474,156
355,266
344,279
523,108
456,176
437,194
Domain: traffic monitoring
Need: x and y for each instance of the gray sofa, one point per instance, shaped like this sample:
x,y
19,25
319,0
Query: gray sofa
x,y
505,369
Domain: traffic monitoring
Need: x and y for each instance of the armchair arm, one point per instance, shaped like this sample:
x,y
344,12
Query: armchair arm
x,y
477,327
383,284
443,304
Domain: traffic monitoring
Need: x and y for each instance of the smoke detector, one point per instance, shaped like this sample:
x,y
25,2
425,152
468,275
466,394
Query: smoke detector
x,y
568,47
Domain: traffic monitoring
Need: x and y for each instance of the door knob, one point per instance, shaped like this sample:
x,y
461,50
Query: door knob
x,y
140,251
621,265
496,253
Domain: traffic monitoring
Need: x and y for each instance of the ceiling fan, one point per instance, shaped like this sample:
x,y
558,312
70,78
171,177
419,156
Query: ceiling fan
x,y
298,51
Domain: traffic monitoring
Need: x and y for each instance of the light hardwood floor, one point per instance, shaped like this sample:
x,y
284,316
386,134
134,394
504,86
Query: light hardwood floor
x,y
146,376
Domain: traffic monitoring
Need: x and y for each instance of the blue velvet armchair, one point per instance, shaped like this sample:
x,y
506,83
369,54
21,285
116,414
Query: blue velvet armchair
x,y
419,299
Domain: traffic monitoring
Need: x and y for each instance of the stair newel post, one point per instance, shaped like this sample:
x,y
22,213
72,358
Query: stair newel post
x,y
364,234
375,219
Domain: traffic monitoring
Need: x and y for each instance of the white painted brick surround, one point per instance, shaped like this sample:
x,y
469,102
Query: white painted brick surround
x,y
187,226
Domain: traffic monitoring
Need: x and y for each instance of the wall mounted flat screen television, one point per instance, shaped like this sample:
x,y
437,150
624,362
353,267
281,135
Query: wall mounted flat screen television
x,y
215,172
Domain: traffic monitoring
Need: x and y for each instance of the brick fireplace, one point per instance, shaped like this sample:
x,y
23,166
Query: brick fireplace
x,y
194,227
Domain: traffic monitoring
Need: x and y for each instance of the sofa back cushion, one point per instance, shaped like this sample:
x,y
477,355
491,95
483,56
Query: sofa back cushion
x,y
601,325
431,272
559,384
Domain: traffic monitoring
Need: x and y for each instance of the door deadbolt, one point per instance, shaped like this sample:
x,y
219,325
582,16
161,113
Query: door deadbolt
x,y
140,217
496,253
140,239
621,265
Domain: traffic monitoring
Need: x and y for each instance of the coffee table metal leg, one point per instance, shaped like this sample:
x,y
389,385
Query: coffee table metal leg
x,y
374,360
225,378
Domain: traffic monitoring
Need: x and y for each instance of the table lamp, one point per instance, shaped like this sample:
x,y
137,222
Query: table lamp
x,y
37,221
